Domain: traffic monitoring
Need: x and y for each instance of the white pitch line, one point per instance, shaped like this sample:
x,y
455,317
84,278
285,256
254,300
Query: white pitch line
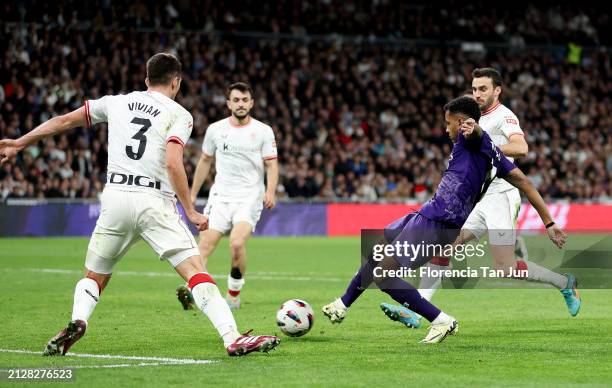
x,y
158,360
254,276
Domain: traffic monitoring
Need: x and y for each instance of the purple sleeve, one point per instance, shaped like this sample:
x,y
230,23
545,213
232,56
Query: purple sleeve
x,y
503,165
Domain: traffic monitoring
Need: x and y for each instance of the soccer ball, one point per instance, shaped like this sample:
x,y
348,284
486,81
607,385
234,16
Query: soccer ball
x,y
295,318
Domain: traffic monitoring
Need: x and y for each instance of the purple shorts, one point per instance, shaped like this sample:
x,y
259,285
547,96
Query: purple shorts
x,y
428,238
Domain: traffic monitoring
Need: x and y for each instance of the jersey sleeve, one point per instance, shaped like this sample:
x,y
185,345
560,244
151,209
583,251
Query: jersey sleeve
x,y
268,149
510,125
180,131
208,146
96,110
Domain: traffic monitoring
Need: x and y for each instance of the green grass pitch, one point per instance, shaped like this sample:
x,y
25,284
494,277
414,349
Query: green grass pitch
x,y
517,337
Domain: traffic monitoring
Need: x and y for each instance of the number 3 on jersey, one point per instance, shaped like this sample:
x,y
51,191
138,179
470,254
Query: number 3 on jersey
x,y
140,136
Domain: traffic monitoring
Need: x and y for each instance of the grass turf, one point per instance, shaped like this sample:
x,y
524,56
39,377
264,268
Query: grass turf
x,y
519,337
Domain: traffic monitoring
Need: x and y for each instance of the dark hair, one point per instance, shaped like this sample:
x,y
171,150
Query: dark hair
x,y
464,105
488,72
162,67
241,87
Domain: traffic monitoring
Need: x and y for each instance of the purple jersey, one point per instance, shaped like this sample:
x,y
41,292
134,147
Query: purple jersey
x,y
471,168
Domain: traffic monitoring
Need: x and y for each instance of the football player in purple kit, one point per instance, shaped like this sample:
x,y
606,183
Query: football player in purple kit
x,y
473,163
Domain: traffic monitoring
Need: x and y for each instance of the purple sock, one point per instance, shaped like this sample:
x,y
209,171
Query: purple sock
x,y
403,293
358,284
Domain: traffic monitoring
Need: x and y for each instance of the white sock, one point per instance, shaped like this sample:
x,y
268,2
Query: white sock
x,y
86,296
209,300
441,318
234,285
537,273
430,284
339,304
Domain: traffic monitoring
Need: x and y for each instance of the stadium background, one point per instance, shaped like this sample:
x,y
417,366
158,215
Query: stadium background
x,y
353,91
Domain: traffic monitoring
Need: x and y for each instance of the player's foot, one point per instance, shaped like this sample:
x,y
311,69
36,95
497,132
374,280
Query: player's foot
x,y
59,345
571,295
401,314
246,344
184,296
232,301
437,333
520,249
335,311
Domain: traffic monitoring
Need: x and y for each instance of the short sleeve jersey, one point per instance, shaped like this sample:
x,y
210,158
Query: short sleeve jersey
x,y
139,126
239,153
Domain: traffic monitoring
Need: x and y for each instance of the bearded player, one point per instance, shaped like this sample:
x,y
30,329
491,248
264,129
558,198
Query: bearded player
x,y
498,210
243,149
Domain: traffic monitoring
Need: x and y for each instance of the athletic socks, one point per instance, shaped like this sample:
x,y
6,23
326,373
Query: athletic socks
x,y
234,285
208,299
430,284
86,296
537,273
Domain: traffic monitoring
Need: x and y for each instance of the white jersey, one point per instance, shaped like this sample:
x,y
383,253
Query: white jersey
x,y
139,126
500,123
239,153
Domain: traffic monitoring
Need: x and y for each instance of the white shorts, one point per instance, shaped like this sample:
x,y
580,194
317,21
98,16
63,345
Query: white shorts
x,y
222,216
128,216
497,213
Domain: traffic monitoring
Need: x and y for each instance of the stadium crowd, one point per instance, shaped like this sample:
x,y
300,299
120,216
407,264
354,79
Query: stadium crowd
x,y
357,121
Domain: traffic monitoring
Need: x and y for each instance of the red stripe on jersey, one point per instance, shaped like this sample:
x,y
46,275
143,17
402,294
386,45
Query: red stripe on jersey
x,y
87,116
200,278
174,139
515,133
491,109
270,157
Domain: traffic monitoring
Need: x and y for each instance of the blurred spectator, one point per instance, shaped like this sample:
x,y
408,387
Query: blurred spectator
x,y
354,121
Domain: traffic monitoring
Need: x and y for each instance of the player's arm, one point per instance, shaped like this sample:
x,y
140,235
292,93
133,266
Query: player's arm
x,y
516,147
201,172
517,179
272,180
59,124
178,178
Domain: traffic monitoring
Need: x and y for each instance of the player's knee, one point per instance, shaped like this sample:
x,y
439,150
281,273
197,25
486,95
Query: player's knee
x,y
237,244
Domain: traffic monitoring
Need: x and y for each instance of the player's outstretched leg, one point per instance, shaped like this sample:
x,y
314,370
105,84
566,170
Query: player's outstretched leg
x,y
209,300
571,295
336,310
86,296
184,297
402,314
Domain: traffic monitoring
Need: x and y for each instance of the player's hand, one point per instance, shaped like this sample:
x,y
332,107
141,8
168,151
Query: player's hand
x,y
269,200
198,219
556,235
8,149
467,127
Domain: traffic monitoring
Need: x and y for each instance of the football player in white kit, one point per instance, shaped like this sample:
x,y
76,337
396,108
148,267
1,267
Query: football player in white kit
x,y
498,209
146,134
242,148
